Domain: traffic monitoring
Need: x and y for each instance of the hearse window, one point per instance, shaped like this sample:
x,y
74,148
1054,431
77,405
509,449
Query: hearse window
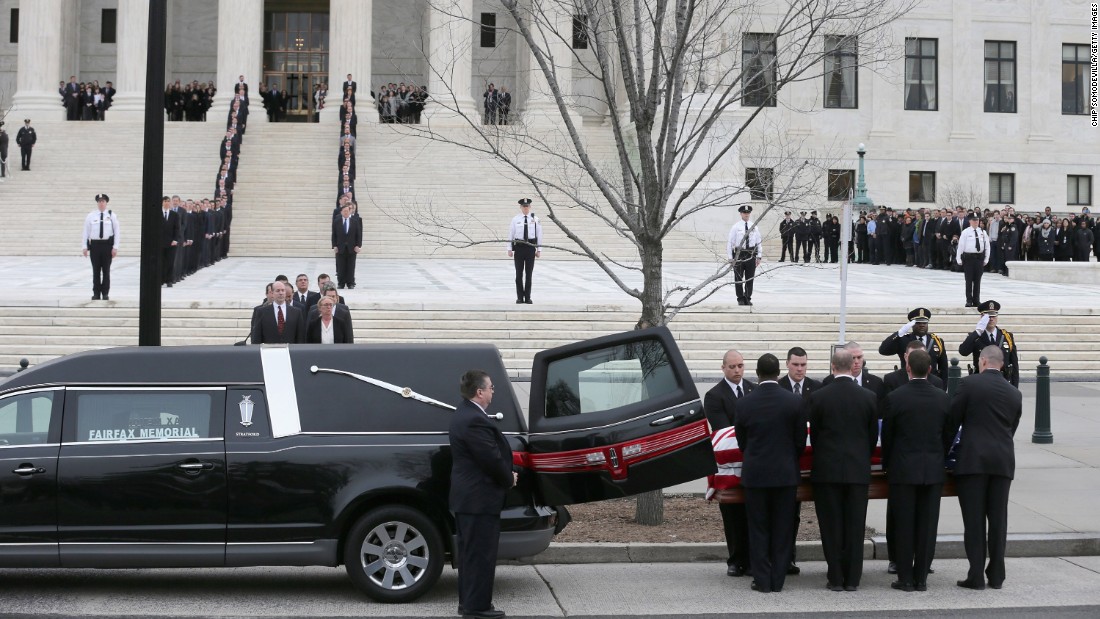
x,y
25,419
608,378
143,415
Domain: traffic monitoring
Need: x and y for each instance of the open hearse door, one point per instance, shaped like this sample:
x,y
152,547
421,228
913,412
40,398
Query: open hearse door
x,y
615,416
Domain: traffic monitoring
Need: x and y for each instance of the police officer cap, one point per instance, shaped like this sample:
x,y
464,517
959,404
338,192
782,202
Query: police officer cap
x,y
26,120
787,213
102,196
972,217
744,208
921,314
989,307
525,202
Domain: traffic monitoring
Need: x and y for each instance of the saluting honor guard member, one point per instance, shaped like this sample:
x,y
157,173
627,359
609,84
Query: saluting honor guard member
x,y
973,255
524,245
917,330
744,249
100,241
986,333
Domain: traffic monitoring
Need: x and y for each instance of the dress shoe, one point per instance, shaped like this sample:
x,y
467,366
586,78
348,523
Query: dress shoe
x,y
756,587
519,301
740,301
95,297
892,568
528,301
931,571
735,570
902,586
492,613
351,286
105,298
921,586
169,284
462,611
995,586
793,570
851,587
832,587
747,302
966,584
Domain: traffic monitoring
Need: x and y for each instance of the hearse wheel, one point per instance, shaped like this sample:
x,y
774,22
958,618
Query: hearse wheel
x,y
394,554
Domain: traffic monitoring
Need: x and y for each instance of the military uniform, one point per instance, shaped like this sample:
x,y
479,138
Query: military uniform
x,y
815,238
786,233
26,139
896,342
802,239
981,337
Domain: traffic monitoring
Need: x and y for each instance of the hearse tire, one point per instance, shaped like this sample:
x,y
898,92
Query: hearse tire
x,y
394,554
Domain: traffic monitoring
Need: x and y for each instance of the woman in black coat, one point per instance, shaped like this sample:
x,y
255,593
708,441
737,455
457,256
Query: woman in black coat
x,y
1063,241
830,232
1044,242
861,239
907,230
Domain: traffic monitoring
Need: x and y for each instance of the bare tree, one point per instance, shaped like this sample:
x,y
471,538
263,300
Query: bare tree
x,y
969,196
690,89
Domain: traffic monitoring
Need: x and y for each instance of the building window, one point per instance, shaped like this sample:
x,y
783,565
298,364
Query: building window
x,y
488,29
1002,188
1075,83
759,182
1078,190
841,183
841,78
758,58
1000,76
922,186
13,35
921,88
580,32
108,30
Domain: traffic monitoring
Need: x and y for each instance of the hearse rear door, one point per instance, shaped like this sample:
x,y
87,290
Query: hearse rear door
x,y
615,416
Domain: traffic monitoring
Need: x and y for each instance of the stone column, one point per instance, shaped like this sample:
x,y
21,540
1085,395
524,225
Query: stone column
x,y
1044,84
39,63
966,77
133,52
552,25
240,52
350,41
450,62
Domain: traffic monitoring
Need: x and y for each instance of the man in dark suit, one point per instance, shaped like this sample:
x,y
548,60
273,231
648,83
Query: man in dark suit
x,y
799,384
843,433
986,333
349,83
171,235
303,295
771,433
917,330
900,376
346,242
323,318
481,474
862,377
280,322
719,405
989,409
916,433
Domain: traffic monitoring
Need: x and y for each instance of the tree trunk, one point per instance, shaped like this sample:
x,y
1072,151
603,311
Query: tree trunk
x,y
650,508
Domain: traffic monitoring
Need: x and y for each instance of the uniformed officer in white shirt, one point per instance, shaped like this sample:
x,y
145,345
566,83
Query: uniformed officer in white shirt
x,y
744,249
100,240
973,255
524,245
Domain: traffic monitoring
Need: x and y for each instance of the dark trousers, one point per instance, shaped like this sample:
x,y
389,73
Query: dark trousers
x,y
872,246
524,257
913,516
478,537
803,247
842,516
100,253
736,526
984,499
167,260
972,273
771,516
744,270
345,268
788,247
816,242
885,249
25,156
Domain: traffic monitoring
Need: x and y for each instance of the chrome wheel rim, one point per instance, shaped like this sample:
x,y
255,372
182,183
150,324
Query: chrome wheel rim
x,y
394,555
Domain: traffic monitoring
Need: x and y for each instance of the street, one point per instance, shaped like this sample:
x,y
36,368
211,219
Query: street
x,y
1058,587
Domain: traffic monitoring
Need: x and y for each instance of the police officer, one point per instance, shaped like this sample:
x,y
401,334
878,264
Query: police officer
x,y
986,333
786,233
3,151
524,245
917,329
743,249
973,254
802,238
100,241
815,237
26,139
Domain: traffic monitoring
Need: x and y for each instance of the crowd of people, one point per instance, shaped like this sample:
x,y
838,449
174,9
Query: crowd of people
x,y
294,314
188,102
399,103
85,100
275,101
497,105
347,226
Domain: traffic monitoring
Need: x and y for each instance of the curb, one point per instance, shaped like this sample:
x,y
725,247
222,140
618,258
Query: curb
x,y
947,547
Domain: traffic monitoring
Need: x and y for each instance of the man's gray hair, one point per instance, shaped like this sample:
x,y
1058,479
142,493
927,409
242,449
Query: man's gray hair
x,y
325,287
853,346
993,356
841,361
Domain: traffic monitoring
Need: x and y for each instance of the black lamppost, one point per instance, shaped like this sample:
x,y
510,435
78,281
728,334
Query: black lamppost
x,y
152,178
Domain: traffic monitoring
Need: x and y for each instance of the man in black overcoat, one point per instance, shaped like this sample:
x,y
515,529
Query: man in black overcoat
x,y
843,433
719,405
988,408
347,239
171,235
900,376
801,385
771,433
265,321
916,433
481,474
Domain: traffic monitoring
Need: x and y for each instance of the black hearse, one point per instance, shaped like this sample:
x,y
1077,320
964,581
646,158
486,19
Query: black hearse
x,y
322,455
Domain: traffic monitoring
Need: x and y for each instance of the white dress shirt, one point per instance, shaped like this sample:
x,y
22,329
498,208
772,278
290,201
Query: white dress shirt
x,y
91,228
327,335
534,230
967,245
741,231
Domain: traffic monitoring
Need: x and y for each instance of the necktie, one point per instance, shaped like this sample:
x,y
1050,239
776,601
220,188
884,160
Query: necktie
x,y
797,389
165,215
977,243
739,392
101,225
345,226
525,237
745,241
279,318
